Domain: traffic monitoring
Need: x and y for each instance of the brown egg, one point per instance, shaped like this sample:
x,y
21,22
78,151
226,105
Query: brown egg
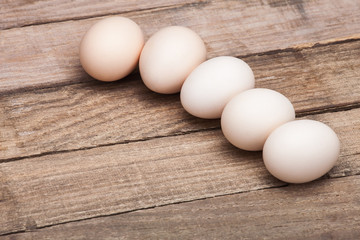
x,y
110,49
169,56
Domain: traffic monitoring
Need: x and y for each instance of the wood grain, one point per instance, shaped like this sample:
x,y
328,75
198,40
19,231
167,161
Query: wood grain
x,y
321,210
71,186
92,114
80,159
46,55
24,13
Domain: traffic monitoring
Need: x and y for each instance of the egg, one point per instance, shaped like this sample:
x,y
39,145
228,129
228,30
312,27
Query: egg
x,y
111,48
249,117
169,56
213,83
301,151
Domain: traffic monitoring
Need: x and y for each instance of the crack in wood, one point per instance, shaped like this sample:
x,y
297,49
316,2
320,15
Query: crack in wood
x,y
300,47
328,109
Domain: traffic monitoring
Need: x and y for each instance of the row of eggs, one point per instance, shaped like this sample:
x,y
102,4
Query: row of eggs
x,y
174,60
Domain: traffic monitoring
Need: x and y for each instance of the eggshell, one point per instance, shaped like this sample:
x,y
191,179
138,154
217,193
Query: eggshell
x,y
249,117
301,151
111,48
213,83
169,56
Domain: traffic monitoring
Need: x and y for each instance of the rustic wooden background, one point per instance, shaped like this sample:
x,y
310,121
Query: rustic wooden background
x,y
82,159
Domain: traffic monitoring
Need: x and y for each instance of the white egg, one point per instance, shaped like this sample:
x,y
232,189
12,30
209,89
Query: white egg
x,y
169,56
301,151
249,117
213,83
111,48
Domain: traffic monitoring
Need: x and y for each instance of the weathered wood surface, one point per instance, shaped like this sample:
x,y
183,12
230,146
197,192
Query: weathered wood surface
x,y
24,13
45,55
90,114
319,210
74,151
64,187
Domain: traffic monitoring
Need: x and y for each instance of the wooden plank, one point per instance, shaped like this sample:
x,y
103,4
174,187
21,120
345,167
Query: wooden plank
x,y
81,184
76,185
43,55
90,114
321,210
24,13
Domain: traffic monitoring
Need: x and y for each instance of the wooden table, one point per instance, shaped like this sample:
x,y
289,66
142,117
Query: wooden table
x,y
82,159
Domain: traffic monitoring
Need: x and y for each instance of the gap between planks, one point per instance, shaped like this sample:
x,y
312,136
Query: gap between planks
x,y
109,144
